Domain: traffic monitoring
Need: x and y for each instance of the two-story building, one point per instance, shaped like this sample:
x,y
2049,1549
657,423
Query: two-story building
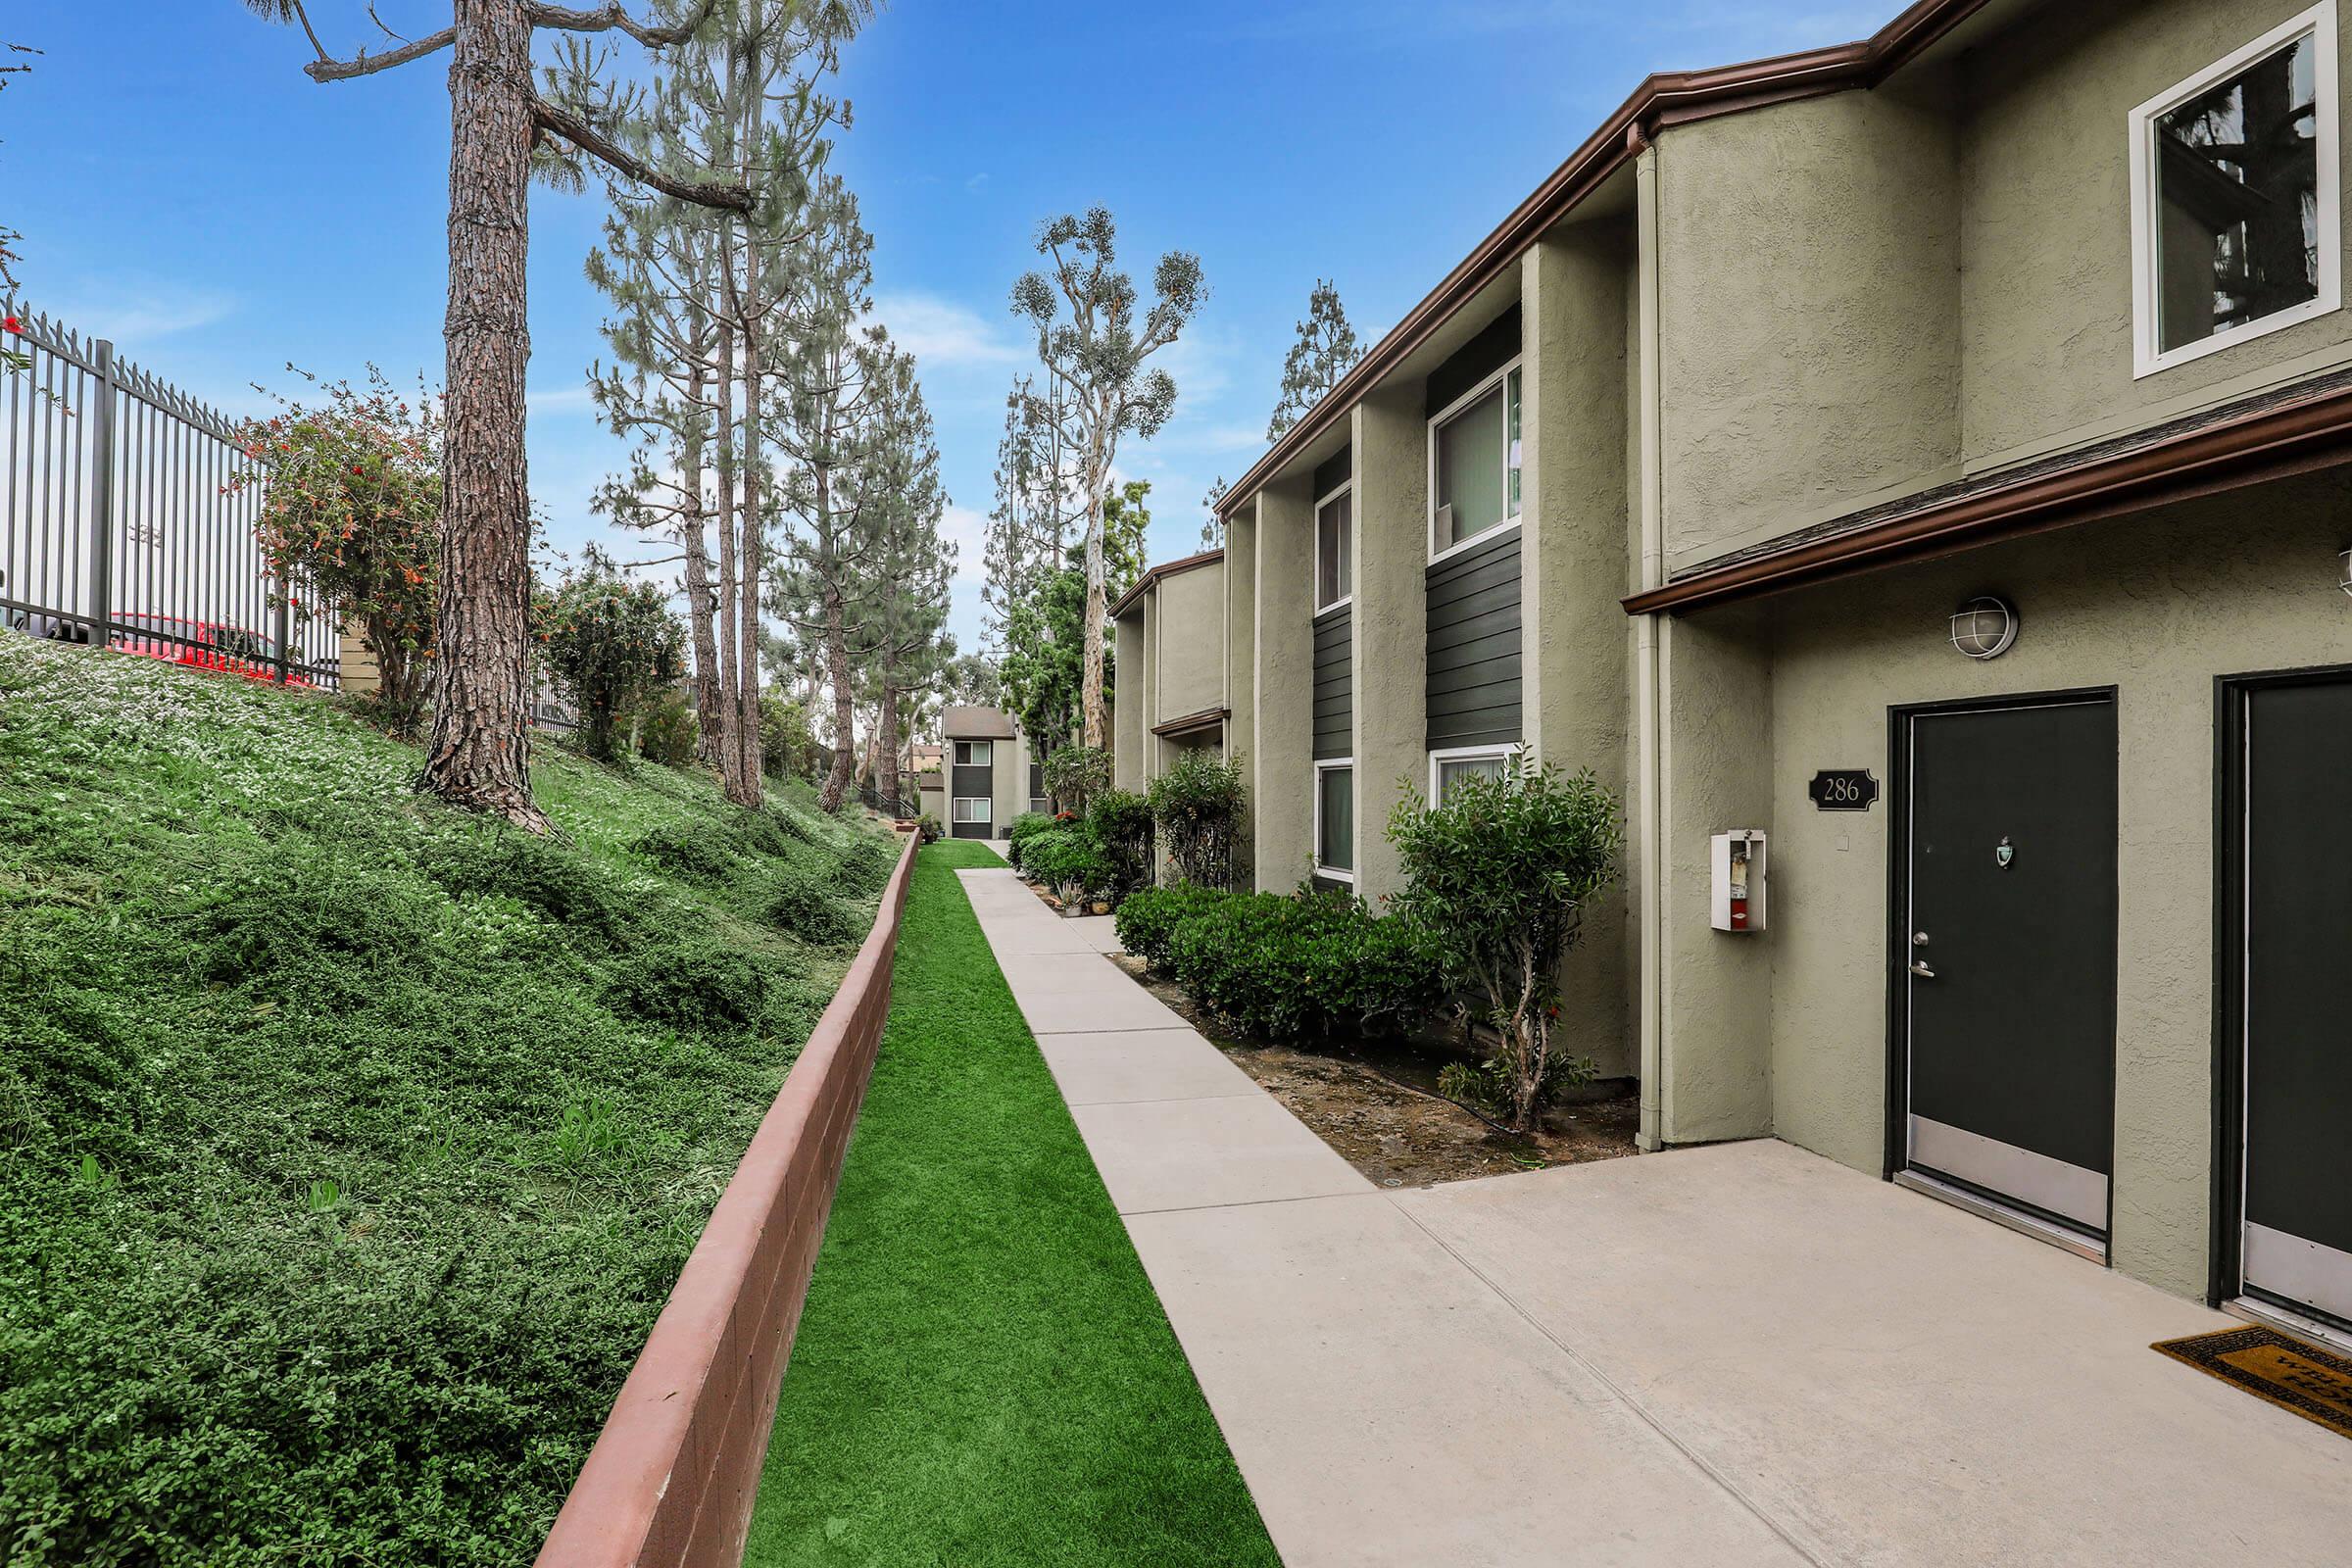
x,y
1929,455
988,774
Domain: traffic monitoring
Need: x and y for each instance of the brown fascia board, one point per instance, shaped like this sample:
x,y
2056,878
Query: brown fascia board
x,y
1207,719
1166,570
2269,442
1665,98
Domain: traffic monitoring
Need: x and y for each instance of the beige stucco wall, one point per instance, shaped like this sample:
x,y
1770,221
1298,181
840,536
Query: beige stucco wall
x,y
1389,658
2157,606
1187,648
1280,749
1130,724
2046,229
1809,331
1241,674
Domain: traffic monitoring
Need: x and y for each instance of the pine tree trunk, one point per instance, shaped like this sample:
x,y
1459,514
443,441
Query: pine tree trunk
x,y
729,703
744,787
837,651
886,738
710,716
480,753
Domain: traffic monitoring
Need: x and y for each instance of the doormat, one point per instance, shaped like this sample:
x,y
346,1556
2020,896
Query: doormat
x,y
2294,1376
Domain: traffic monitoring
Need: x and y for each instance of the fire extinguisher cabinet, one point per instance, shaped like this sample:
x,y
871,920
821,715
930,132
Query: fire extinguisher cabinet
x,y
1736,904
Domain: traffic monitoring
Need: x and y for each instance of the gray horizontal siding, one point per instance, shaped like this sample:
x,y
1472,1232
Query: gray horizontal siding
x,y
1334,683
974,783
1474,641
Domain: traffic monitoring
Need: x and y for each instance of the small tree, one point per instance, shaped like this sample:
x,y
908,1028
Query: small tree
x,y
1076,774
352,508
1324,349
1198,804
610,645
1499,876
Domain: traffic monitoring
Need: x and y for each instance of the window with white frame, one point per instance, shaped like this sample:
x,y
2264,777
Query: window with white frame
x,y
971,809
975,754
1473,464
1454,764
2235,230
1334,818
1335,529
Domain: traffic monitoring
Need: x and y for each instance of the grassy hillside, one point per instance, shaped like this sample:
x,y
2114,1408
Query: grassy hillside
x,y
349,1145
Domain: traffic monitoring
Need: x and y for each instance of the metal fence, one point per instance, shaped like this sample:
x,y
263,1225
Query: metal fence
x,y
129,514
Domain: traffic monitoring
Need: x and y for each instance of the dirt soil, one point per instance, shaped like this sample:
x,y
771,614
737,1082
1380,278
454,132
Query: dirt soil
x,y
1374,1101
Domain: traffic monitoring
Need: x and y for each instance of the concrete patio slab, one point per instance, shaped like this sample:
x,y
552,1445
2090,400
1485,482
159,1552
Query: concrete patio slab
x,y
1062,972
1184,1153
1088,1010
1388,1408
1139,1064
1893,1380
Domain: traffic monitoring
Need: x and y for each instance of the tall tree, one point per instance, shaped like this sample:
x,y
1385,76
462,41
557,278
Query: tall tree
x,y
478,753
835,382
913,567
1043,675
1325,348
1100,389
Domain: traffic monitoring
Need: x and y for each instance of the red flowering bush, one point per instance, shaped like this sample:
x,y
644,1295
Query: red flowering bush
x,y
610,645
352,508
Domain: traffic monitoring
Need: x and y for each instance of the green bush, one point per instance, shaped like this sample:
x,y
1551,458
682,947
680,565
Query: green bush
x,y
1120,821
1067,861
666,731
689,984
564,886
1024,827
1498,877
864,867
1148,919
610,645
1289,968
1075,775
808,908
1197,806
684,851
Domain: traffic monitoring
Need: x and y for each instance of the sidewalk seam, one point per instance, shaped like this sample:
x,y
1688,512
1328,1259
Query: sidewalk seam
x,y
1705,1466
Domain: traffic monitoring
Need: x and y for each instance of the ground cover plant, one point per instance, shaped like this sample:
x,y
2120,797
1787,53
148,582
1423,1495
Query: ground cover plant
x,y
349,1144
983,1375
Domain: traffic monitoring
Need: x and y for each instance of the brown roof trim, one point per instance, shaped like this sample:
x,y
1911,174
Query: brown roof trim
x,y
2270,437
1664,98
1166,568
1207,719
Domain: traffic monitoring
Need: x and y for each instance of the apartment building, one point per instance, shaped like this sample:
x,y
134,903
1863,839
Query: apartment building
x,y
989,774
1913,474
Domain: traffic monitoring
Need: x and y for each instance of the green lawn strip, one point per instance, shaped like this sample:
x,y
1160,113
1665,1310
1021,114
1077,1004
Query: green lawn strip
x,y
984,1375
350,1144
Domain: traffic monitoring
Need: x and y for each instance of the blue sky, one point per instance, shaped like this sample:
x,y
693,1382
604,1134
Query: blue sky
x,y
185,190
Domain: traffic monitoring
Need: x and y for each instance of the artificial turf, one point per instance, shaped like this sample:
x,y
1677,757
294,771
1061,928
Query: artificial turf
x,y
983,1374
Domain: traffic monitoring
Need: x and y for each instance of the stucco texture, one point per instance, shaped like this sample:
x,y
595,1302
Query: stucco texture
x,y
2157,606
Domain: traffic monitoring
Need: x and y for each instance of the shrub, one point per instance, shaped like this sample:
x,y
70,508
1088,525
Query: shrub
x,y
864,867
610,645
1120,821
1024,827
562,886
1300,968
926,828
1148,919
1068,862
787,746
684,851
688,985
1076,774
666,731
803,905
1498,877
353,509
1198,804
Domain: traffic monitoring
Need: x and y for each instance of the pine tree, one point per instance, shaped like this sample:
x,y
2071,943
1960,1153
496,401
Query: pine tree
x,y
1324,349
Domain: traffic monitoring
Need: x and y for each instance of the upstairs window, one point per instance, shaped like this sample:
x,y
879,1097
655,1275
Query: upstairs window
x,y
975,754
1474,464
2234,205
1334,530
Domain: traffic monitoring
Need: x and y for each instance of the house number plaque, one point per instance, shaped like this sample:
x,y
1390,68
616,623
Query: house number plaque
x,y
1844,789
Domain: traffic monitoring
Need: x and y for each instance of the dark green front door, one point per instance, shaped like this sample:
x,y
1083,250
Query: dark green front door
x,y
2297,1025
2008,983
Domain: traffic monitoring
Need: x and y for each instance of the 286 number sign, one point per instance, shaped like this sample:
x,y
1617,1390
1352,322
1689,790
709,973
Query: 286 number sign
x,y
1844,789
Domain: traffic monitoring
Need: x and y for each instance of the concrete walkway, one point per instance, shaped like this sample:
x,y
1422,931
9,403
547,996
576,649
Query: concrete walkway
x,y
1729,1356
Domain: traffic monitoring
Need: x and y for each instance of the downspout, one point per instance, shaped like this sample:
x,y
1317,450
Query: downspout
x,y
1649,830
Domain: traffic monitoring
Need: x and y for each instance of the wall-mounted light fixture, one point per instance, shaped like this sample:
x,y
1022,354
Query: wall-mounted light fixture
x,y
1985,627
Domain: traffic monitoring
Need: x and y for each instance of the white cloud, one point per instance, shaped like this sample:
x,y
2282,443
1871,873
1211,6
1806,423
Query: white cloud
x,y
558,400
943,333
134,313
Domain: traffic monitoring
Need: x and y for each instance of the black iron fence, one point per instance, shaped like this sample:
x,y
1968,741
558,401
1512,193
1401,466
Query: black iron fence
x,y
130,513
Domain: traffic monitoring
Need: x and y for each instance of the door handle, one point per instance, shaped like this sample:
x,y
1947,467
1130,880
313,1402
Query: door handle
x,y
1922,970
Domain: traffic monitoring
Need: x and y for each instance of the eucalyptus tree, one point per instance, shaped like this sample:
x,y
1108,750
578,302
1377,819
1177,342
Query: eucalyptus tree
x,y
502,130
1323,352
1096,356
